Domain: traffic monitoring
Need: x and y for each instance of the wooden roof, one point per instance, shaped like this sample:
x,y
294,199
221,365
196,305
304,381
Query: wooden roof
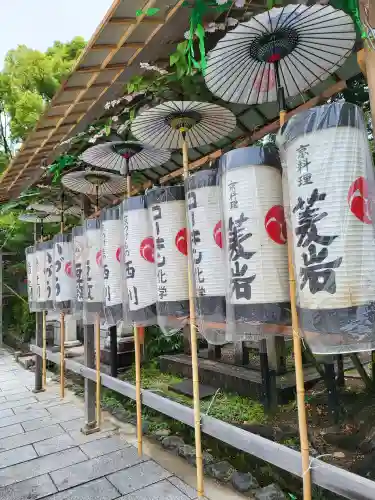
x,y
111,58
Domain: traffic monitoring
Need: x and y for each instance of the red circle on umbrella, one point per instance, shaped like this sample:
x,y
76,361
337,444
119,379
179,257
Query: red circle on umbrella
x,y
69,269
275,224
147,249
181,241
358,199
99,258
118,254
218,235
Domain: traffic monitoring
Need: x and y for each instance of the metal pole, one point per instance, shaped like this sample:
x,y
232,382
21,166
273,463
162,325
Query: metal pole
x,y
194,347
62,321
98,379
113,348
38,387
1,299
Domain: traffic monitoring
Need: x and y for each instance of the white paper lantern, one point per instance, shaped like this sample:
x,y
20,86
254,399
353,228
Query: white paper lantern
x,y
139,261
31,277
331,192
64,279
205,226
79,246
112,241
167,212
94,273
44,275
255,238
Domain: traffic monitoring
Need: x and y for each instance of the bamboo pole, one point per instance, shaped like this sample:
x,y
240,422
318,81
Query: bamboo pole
x,y
137,347
194,348
300,384
98,376
44,354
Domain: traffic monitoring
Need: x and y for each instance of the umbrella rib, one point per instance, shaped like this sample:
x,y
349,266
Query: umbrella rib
x,y
264,69
290,15
254,69
299,50
292,77
229,68
293,54
304,14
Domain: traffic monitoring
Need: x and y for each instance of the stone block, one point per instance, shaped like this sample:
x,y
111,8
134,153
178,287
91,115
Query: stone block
x,y
137,477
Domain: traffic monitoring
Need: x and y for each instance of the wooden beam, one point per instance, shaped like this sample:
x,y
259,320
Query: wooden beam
x,y
134,20
103,46
100,68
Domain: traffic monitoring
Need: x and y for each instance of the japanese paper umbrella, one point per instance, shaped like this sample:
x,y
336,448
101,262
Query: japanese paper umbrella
x,y
279,54
125,156
184,124
50,208
41,218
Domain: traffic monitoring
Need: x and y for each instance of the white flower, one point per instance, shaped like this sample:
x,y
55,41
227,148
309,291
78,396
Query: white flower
x,y
115,119
221,26
221,2
239,3
211,28
231,21
187,35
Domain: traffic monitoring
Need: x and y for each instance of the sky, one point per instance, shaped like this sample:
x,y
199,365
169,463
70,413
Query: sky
x,y
38,23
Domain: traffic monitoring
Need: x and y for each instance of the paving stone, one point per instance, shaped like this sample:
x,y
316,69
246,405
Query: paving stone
x,y
93,469
17,456
96,490
31,437
68,409
6,413
73,425
43,422
11,385
104,446
23,417
16,394
159,491
11,430
32,489
39,466
187,490
2,399
55,444
44,396
137,477
35,405
17,404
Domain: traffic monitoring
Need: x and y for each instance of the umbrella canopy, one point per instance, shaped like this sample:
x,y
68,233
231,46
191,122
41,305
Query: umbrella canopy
x,y
292,47
49,208
95,183
39,218
203,123
125,156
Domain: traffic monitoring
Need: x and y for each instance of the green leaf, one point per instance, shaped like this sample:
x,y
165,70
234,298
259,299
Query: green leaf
x,y
174,58
181,47
139,12
152,11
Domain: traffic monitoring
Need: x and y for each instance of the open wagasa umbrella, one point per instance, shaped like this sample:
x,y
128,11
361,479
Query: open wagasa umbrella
x,y
125,156
50,208
175,125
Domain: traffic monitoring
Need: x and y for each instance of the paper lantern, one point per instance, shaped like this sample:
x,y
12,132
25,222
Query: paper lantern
x,y
140,269
79,266
94,273
167,213
331,191
112,240
31,277
255,239
208,258
64,279
44,275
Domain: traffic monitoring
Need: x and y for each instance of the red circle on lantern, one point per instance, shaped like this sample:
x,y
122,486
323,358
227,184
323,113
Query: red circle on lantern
x,y
218,236
69,269
99,258
147,249
358,199
181,241
275,224
118,254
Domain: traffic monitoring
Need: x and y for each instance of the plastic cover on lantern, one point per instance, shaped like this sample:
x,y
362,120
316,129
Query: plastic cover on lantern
x,y
93,276
44,276
139,270
114,287
79,269
330,181
31,277
167,212
64,278
203,205
256,258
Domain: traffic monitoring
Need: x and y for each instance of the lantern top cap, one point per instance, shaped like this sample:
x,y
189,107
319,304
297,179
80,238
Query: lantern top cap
x,y
46,245
134,203
92,224
62,238
334,115
165,194
111,213
267,155
203,178
77,231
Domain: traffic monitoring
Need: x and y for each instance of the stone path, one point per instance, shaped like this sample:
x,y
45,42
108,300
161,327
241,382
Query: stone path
x,y
43,454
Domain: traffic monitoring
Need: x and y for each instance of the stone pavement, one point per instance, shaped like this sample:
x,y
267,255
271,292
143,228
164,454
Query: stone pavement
x,y
43,454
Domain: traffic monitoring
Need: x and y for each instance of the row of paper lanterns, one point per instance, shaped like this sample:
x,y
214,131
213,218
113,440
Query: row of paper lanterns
x,y
137,253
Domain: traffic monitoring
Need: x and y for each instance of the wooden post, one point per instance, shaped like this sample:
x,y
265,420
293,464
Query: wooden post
x,y
113,349
300,384
194,347
97,366
366,59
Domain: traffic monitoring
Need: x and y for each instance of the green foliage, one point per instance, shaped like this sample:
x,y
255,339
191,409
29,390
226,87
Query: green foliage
x,y
149,12
156,343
